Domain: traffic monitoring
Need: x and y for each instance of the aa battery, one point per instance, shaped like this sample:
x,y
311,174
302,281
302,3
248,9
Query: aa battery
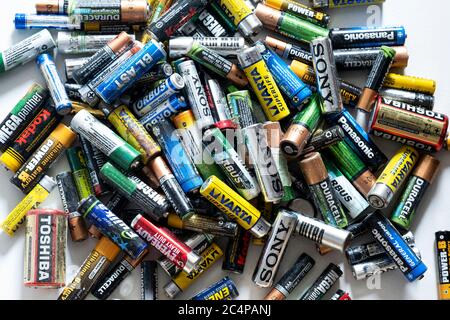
x,y
407,124
393,176
69,199
293,88
234,206
396,247
231,164
21,115
106,140
323,284
122,78
161,71
442,254
342,3
48,21
149,280
301,128
195,93
28,176
274,249
289,51
290,280
364,58
241,110
224,289
77,163
324,196
81,43
300,10
236,252
263,84
323,139
179,161
183,280
201,223
63,105
225,46
347,194
409,83
161,93
45,249
322,233
70,65
163,111
326,76
74,95
31,201
26,50
165,242
362,37
414,98
416,186
90,271
95,159
242,16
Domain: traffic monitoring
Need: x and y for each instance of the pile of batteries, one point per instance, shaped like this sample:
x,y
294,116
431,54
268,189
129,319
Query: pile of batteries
x,y
201,127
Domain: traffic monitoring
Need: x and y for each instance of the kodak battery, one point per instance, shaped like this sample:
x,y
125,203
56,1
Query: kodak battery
x,y
45,248
443,264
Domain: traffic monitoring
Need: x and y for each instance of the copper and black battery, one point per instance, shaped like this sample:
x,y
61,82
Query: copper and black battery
x,y
423,100
78,166
443,263
200,223
323,284
290,51
95,159
72,91
149,280
323,138
236,252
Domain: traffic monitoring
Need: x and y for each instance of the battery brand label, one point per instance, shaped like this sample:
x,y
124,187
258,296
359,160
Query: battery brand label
x,y
211,24
443,254
35,126
321,288
344,3
311,231
300,54
328,204
301,10
411,198
236,10
45,248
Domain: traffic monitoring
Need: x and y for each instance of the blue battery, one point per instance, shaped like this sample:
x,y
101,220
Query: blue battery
x,y
165,110
363,37
297,92
46,64
43,21
161,93
391,240
359,140
121,79
179,161
224,289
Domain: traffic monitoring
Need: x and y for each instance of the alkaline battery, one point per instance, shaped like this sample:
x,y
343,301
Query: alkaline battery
x,y
303,124
184,279
241,109
28,176
106,140
69,199
359,140
323,139
289,51
133,68
324,195
289,25
231,164
361,37
46,21
415,126
442,253
326,76
77,42
77,163
163,111
179,161
340,295
201,223
137,191
364,58
90,271
45,62
416,186
78,106
322,233
393,176
45,249
149,280
373,84
274,249
342,3
95,159
300,10
123,11
293,88
165,242
242,16
111,226
70,65
396,247
409,83
207,24
225,46
21,115
31,201
224,289
291,279
323,284
414,98
161,71
150,100
236,252
263,84
234,206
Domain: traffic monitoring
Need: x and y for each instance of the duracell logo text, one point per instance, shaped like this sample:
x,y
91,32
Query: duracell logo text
x,y
311,231
325,284
322,70
45,248
353,134
300,53
418,110
114,276
331,201
413,197
378,36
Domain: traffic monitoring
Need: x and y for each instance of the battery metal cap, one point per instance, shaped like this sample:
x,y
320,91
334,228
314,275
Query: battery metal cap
x,y
177,81
261,228
380,195
313,168
427,168
171,290
250,26
48,183
48,6
192,261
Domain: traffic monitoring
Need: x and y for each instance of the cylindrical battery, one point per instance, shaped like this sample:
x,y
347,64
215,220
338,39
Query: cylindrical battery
x,y
220,108
340,295
323,284
47,21
161,71
95,159
414,98
106,140
71,64
242,16
241,109
81,43
290,280
201,223
362,37
77,163
342,4
236,252
111,226
149,280
224,289
364,58
318,17
393,176
45,155
289,51
225,46
211,25
443,263
323,139
69,199
165,110
45,248
409,83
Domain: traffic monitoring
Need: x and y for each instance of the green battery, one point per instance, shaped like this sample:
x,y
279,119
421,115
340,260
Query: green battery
x,y
258,113
80,173
241,107
228,23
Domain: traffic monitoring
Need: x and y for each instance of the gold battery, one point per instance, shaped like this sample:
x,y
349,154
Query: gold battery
x,y
443,264
408,83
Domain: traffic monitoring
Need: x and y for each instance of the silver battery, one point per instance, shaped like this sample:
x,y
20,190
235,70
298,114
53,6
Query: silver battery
x,y
322,233
249,56
328,83
81,43
225,46
250,25
196,94
221,106
263,162
380,196
274,249
71,64
414,98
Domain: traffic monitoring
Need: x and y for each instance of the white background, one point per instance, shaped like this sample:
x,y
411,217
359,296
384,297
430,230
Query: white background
x,y
426,25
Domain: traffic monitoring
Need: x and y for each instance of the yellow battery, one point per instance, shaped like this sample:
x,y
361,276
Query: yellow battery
x,y
236,10
285,5
304,72
443,254
415,84
78,106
